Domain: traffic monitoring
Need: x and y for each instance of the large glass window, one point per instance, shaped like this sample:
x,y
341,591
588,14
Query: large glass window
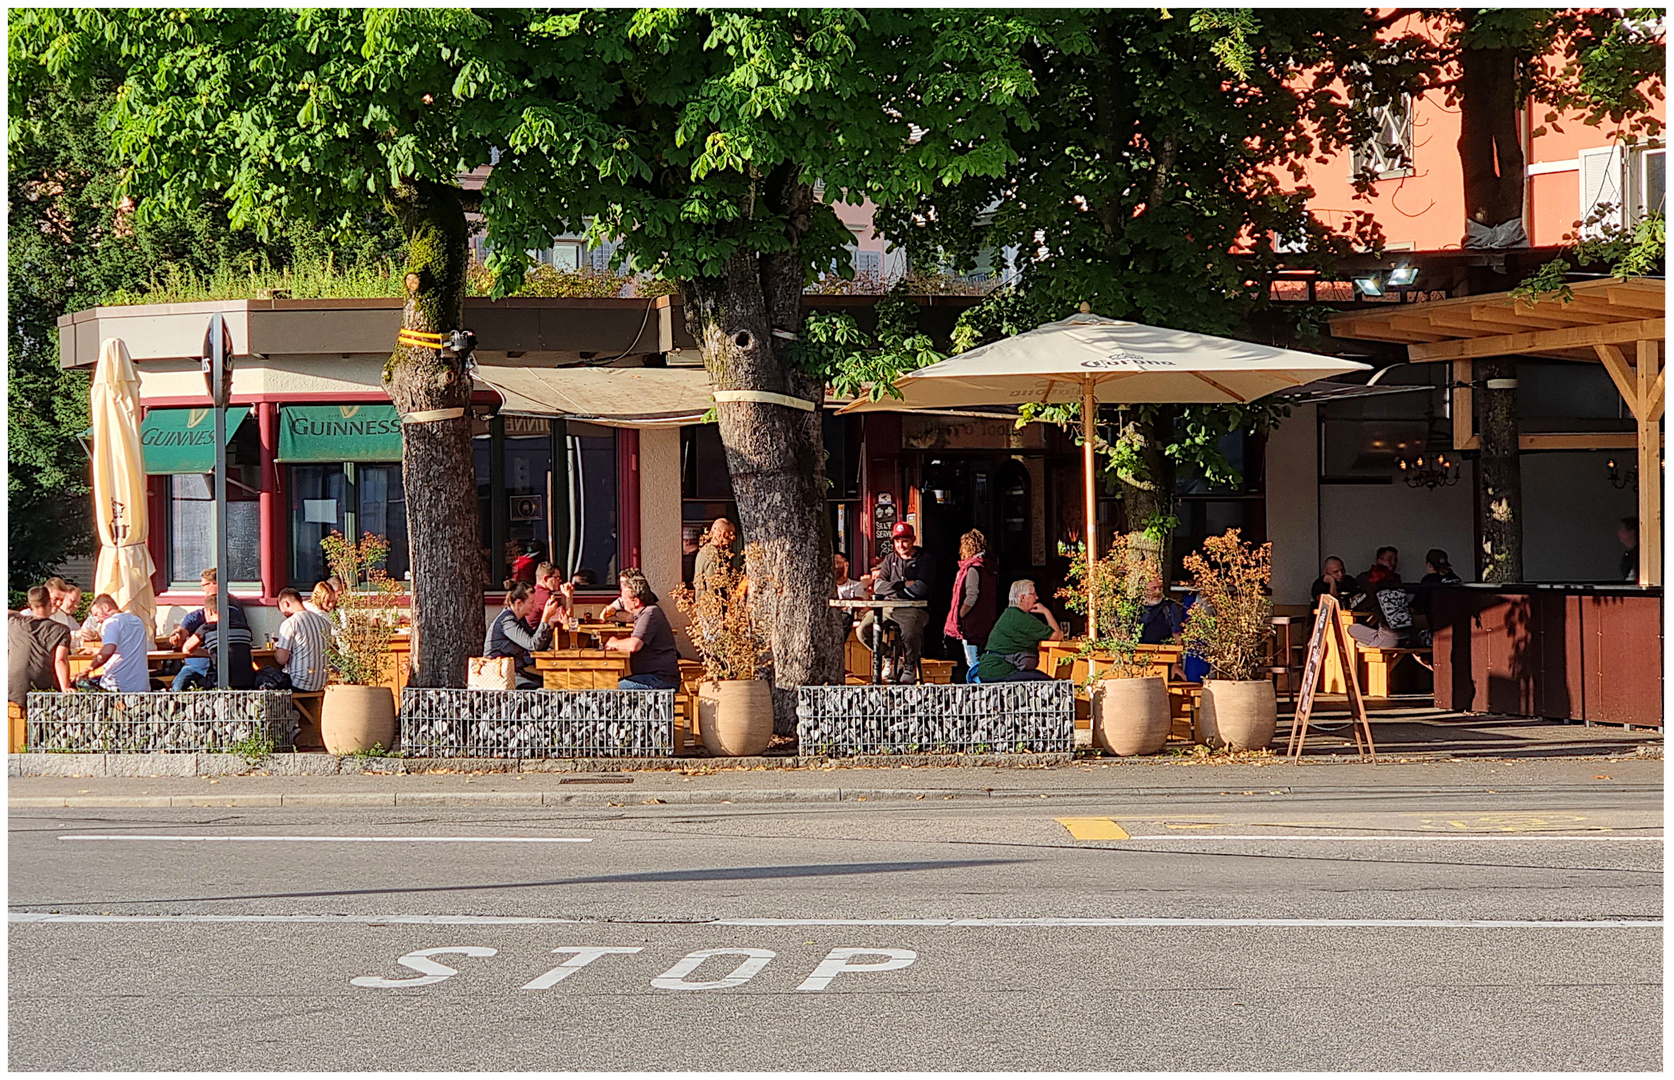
x,y
352,498
547,491
191,513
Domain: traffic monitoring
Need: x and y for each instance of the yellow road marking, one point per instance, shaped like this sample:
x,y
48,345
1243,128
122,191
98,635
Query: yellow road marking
x,y
1093,828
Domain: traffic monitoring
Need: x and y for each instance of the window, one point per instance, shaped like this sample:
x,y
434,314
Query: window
x,y
352,498
547,492
191,511
1388,153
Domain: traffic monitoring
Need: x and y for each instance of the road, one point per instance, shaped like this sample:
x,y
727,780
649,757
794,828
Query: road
x,y
1423,928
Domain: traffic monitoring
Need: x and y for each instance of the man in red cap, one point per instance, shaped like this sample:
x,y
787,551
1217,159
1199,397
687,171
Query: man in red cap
x,y
904,574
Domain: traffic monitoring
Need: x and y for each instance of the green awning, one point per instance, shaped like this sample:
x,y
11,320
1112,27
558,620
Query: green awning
x,y
339,433
183,440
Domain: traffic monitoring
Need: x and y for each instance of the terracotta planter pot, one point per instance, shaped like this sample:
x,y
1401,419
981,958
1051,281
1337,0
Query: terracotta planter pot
x,y
1130,716
1237,713
735,717
357,718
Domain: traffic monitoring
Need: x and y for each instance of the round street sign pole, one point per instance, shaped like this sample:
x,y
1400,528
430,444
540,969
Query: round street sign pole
x,y
217,362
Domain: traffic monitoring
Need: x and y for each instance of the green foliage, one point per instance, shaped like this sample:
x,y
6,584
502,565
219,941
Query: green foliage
x,y
856,364
1119,579
254,748
1628,252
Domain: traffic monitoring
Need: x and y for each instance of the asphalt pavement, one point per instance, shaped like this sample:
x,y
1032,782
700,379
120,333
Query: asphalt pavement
x,y
1498,916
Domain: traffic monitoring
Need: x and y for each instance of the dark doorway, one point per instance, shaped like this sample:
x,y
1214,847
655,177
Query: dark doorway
x,y
960,492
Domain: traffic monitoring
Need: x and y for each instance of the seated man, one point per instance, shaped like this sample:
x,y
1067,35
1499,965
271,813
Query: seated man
x,y
1382,572
510,634
1334,579
1388,622
125,639
301,649
240,674
653,661
1161,616
905,573
49,645
1013,650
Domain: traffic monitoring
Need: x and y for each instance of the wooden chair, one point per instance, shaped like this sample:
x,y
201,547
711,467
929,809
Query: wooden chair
x,y
308,704
1380,664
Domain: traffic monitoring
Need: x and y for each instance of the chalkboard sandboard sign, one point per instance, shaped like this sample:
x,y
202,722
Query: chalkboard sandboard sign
x,y
1328,623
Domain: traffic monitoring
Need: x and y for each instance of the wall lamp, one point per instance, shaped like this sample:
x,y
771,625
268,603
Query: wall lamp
x,y
1373,284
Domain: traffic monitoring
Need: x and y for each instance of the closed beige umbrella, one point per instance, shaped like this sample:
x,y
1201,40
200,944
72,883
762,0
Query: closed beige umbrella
x,y
119,485
1088,359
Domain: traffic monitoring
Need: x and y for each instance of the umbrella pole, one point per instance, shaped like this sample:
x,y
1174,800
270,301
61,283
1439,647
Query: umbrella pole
x,y
1087,415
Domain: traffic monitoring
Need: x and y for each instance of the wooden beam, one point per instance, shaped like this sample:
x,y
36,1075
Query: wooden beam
x,y
1464,427
1650,466
1650,405
1579,440
1615,362
1509,344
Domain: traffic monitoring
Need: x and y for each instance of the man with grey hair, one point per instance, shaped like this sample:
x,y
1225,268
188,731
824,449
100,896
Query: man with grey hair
x,y
1012,653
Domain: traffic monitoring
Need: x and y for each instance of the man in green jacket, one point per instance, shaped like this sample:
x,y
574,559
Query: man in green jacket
x,y
1012,653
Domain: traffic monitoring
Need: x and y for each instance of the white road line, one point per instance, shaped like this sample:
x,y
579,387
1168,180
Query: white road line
x,y
344,839
1113,922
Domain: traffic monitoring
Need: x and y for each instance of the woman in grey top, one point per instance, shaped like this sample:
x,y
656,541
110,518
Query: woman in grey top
x,y
511,635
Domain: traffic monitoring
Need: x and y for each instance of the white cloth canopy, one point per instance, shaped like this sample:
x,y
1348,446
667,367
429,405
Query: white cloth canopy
x,y
619,397
1125,362
1087,360
119,489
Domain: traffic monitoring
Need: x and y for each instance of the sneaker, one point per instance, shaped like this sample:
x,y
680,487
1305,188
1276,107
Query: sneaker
x,y
888,671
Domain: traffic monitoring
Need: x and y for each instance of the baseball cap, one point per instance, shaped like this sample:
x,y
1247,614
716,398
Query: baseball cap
x,y
902,528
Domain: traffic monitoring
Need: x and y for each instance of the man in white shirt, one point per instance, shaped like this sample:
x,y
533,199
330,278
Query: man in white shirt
x,y
300,649
126,640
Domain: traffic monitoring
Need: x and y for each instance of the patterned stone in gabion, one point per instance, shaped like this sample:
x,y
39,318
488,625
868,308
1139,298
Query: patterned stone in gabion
x,y
198,721
997,718
537,723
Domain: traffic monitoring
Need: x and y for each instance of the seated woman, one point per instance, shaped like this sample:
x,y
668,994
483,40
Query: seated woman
x,y
1013,650
511,635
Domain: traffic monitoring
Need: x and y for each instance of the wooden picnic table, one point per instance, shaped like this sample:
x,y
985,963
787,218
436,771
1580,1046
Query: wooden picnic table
x,y
82,662
580,669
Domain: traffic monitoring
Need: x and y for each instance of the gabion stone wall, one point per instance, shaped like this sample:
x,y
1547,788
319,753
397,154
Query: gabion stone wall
x,y
204,721
999,718
537,723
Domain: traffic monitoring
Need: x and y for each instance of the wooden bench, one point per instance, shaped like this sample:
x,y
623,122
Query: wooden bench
x,y
581,669
688,736
308,704
1379,664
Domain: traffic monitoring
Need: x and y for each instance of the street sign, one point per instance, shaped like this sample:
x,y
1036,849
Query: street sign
x,y
220,359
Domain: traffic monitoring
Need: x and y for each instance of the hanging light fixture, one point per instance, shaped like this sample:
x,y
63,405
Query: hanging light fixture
x,y
1437,472
1620,479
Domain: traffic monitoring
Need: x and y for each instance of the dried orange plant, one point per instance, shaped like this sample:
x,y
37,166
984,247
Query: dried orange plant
x,y
368,610
1229,625
1120,577
724,633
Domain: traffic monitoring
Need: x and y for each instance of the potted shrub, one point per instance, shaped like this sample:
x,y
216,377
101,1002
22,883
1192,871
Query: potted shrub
x,y
1230,628
1129,704
358,711
735,705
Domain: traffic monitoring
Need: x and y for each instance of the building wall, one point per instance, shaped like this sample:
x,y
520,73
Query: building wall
x,y
1292,489
659,517
1570,515
1357,519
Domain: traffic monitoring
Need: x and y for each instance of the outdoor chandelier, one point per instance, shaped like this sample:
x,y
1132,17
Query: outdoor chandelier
x,y
1619,479
1440,472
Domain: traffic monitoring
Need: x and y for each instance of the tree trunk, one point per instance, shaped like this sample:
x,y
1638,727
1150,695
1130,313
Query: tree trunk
x,y
1148,488
1489,148
436,461
1500,474
775,454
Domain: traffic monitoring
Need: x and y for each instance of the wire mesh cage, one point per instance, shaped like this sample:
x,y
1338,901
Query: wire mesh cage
x,y
200,721
1004,718
537,723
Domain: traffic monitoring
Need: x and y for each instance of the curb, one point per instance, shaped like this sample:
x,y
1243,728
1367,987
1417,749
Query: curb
x,y
491,799
216,765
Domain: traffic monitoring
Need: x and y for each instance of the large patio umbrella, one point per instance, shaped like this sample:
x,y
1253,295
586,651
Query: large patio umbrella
x,y
1089,359
119,508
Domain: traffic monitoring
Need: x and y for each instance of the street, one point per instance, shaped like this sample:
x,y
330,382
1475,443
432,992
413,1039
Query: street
x,y
1410,926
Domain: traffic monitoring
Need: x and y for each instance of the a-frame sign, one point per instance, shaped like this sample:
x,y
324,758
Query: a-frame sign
x,y
1327,621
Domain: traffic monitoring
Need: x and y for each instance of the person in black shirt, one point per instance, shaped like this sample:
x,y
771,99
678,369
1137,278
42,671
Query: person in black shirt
x,y
904,574
511,635
1336,580
240,674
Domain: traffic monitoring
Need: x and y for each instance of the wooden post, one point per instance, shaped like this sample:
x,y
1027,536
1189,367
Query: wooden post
x,y
1088,405
1649,412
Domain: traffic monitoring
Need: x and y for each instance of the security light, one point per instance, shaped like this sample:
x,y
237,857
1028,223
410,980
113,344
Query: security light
x,y
1403,277
1370,285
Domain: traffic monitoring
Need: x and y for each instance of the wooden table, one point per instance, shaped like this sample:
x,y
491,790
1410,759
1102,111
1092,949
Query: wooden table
x,y
82,662
600,632
878,605
580,669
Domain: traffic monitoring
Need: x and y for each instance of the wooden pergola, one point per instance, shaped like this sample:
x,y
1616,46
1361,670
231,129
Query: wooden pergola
x,y
1614,321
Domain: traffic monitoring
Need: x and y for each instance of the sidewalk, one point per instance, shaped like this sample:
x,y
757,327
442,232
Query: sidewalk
x,y
1418,750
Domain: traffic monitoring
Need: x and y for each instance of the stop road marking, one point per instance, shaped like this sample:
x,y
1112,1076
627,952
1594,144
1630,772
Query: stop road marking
x,y
837,962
